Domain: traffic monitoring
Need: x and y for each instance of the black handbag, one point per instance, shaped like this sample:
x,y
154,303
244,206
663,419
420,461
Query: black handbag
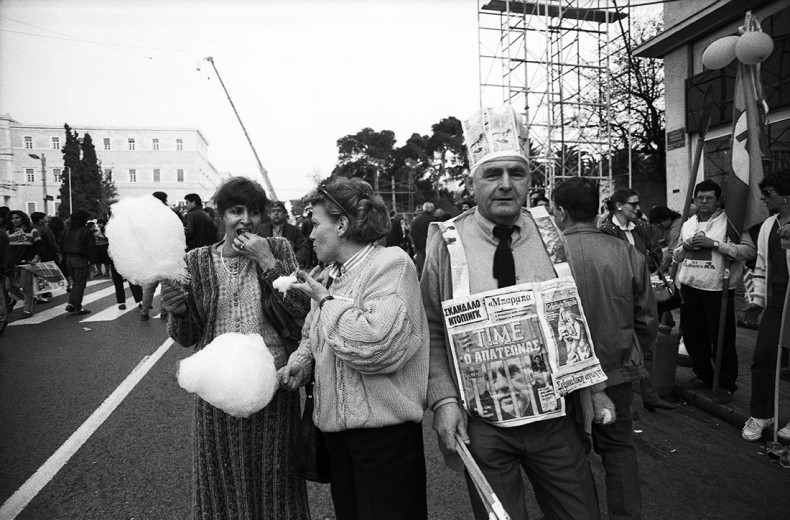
x,y
288,327
309,458
667,295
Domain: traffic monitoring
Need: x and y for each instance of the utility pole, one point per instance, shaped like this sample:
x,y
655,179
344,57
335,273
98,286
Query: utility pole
x,y
264,173
43,176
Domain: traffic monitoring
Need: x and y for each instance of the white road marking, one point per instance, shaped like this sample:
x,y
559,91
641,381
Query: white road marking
x,y
22,497
108,314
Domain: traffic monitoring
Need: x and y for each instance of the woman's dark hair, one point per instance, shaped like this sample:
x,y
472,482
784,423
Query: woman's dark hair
x,y
240,191
79,219
353,198
26,225
56,225
780,181
661,213
579,197
620,196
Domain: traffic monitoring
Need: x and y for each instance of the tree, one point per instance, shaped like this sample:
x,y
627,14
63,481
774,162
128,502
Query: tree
x,y
89,189
367,154
637,94
446,145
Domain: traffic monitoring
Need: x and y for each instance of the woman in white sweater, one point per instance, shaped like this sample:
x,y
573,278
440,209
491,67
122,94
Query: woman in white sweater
x,y
366,341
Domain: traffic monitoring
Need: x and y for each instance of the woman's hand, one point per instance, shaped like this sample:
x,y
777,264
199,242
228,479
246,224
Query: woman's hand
x,y
308,284
36,259
256,248
291,376
174,298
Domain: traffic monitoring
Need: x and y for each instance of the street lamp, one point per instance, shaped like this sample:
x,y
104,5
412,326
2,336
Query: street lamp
x,y
43,176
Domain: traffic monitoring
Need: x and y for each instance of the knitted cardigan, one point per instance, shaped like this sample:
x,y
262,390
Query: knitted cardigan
x,y
198,326
369,346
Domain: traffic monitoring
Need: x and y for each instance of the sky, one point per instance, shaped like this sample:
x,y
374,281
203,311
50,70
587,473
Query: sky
x,y
302,74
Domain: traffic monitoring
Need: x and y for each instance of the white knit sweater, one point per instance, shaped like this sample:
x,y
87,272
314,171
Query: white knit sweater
x,y
369,345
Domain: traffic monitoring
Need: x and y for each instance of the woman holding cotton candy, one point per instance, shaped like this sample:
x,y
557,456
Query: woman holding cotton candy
x,y
241,465
366,342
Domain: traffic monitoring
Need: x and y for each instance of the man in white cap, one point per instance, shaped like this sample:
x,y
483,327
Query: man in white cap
x,y
502,247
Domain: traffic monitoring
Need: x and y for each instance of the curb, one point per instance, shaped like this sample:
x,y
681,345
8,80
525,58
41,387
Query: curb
x,y
703,400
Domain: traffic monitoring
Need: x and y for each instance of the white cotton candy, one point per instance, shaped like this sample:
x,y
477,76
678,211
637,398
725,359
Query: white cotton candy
x,y
235,373
147,241
283,283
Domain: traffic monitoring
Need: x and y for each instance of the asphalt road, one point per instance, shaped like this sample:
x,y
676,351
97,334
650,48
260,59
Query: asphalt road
x,y
136,464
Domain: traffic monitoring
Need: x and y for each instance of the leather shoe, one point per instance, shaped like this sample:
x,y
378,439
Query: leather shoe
x,y
661,404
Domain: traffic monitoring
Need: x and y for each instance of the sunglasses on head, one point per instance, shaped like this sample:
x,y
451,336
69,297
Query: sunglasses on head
x,y
322,190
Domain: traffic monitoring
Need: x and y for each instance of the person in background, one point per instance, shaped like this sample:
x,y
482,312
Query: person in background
x,y
199,227
614,286
120,292
306,227
78,249
49,245
25,249
770,287
366,342
540,200
667,224
502,247
6,272
419,234
280,227
102,261
241,465
395,236
625,222
703,252
56,224
150,289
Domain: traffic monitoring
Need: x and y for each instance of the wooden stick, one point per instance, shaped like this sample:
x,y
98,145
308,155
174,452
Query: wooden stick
x,y
725,289
492,503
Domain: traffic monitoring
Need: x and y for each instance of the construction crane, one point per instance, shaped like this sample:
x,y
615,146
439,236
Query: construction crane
x,y
264,173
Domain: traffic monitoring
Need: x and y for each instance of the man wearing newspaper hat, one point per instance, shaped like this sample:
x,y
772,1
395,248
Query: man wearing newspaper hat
x,y
497,246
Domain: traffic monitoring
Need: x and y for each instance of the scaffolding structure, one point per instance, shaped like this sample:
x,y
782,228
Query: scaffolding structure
x,y
550,60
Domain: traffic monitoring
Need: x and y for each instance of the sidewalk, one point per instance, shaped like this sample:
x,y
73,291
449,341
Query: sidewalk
x,y
736,412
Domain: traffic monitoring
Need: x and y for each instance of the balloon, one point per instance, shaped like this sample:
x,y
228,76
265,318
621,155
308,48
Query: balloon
x,y
720,53
754,47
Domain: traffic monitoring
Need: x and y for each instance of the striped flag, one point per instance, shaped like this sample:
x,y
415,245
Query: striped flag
x,y
749,151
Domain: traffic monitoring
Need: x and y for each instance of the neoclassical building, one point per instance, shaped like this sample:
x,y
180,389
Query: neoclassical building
x,y
139,161
689,27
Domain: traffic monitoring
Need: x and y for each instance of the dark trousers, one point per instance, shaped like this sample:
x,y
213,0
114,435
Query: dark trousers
x,y
554,458
699,320
764,361
120,292
79,269
613,443
378,473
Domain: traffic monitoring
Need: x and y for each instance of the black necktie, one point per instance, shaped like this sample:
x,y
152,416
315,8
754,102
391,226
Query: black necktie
x,y
504,266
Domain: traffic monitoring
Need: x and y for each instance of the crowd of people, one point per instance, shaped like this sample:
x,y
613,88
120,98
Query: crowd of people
x,y
365,324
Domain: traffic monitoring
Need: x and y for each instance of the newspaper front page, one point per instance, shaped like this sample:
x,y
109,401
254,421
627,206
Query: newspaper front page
x,y
517,350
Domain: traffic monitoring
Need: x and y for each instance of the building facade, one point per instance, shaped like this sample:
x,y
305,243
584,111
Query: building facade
x,y
139,161
689,27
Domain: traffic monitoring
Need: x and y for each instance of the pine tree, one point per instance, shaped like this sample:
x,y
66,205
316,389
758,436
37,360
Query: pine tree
x,y
71,167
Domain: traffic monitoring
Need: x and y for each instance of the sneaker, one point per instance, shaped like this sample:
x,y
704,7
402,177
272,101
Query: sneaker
x,y
122,306
753,429
82,311
784,433
69,308
16,293
144,316
26,314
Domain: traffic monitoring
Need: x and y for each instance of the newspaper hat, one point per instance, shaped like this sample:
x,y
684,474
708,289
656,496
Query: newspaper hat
x,y
493,133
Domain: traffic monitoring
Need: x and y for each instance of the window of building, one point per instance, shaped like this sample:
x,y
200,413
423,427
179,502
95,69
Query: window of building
x,y
180,175
57,208
28,142
108,174
57,174
156,144
132,175
106,143
31,208
30,174
131,143
157,175
179,144
56,143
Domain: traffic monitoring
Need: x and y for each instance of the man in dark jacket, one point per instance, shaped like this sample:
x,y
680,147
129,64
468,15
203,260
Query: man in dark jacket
x,y
614,286
419,234
50,251
78,249
199,227
279,227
